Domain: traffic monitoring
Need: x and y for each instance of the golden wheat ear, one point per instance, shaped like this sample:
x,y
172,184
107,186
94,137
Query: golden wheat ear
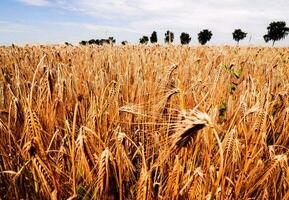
x,y
192,122
84,157
188,136
33,130
104,165
46,177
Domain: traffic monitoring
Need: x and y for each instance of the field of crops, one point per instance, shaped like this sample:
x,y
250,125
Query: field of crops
x,y
144,122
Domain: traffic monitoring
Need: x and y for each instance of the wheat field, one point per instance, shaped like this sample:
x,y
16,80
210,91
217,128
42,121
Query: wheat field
x,y
144,122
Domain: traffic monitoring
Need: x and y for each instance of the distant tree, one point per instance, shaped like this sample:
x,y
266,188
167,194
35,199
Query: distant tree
x,y
154,37
124,42
103,41
238,35
111,40
83,42
204,36
169,37
185,38
276,31
92,41
97,42
68,44
144,40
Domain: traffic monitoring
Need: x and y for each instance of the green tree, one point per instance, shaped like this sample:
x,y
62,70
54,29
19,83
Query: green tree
x,y
238,35
68,44
111,40
154,37
185,38
169,37
103,41
276,31
144,40
204,36
83,42
124,42
92,41
97,42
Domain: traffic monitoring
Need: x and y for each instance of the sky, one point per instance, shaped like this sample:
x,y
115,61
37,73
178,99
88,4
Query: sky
x,y
58,21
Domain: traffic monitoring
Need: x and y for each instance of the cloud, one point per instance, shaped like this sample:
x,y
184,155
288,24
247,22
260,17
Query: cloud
x,y
95,27
36,2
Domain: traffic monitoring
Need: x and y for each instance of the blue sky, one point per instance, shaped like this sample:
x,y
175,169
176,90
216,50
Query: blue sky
x,y
57,21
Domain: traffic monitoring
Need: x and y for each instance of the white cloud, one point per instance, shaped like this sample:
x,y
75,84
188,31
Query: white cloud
x,y
96,27
36,2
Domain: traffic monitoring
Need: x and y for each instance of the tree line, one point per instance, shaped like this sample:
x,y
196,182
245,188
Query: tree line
x,y
110,40
276,31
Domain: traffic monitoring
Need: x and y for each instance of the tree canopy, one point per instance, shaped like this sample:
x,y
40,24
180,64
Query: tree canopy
x,y
83,42
276,31
204,36
154,37
238,35
144,40
169,37
185,38
110,40
124,42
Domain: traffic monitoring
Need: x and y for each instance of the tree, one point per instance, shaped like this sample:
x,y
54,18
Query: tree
x,y
111,40
103,41
68,44
154,37
83,42
169,37
276,31
185,38
92,41
238,35
144,40
97,42
204,36
124,42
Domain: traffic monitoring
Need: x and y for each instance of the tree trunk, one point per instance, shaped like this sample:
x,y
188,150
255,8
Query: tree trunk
x,y
273,43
